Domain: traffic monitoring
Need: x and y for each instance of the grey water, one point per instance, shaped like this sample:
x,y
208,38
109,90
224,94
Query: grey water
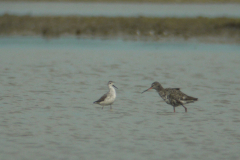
x,y
48,88
119,9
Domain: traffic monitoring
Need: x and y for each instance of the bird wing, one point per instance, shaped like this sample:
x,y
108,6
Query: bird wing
x,y
175,93
189,98
176,89
172,89
101,99
182,96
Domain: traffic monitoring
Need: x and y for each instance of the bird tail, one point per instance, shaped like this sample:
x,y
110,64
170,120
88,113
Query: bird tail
x,y
191,98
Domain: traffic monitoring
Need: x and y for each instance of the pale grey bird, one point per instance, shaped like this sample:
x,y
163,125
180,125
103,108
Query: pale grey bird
x,y
108,98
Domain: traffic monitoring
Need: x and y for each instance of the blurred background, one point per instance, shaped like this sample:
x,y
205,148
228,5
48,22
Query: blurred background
x,y
132,19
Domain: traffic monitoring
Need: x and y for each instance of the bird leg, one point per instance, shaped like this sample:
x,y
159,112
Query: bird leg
x,y
102,107
174,109
185,108
110,106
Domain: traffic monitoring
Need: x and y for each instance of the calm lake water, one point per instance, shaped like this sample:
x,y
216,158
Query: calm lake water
x,y
48,88
120,9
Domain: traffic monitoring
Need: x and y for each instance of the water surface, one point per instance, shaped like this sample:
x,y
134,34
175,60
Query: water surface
x,y
120,9
48,86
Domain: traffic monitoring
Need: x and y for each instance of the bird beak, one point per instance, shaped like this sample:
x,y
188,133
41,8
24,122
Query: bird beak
x,y
147,90
115,86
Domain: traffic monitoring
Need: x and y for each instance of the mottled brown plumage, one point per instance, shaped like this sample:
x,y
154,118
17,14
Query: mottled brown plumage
x,y
172,96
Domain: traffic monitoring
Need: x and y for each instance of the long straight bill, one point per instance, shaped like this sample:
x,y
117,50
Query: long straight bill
x,y
115,86
147,90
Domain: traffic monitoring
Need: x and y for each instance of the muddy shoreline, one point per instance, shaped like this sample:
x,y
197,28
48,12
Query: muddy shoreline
x,y
142,27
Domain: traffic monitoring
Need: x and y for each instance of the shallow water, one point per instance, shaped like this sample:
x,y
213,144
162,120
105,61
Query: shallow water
x,y
120,9
48,86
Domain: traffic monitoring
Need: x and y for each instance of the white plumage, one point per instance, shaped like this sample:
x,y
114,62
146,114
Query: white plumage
x,y
108,98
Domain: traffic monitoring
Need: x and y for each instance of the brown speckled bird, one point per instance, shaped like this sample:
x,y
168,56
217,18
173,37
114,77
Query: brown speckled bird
x,y
172,96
